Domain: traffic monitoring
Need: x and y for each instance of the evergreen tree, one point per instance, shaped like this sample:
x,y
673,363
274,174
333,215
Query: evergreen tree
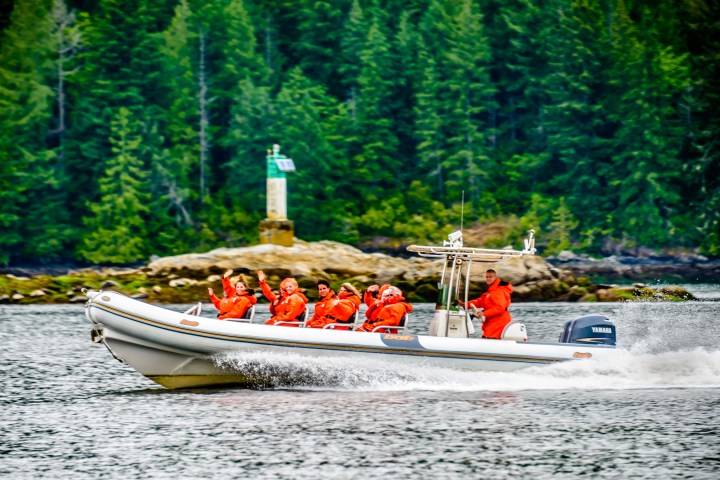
x,y
352,38
119,68
429,132
561,228
117,229
32,203
319,26
578,162
174,180
469,97
251,134
701,169
319,192
648,78
376,160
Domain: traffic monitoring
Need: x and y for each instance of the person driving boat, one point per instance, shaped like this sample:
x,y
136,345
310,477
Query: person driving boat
x,y
491,308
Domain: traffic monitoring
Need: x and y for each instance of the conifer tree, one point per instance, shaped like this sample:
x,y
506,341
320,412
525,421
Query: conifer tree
x,y
377,160
120,62
578,162
352,38
319,27
469,96
306,119
117,229
175,168
648,78
32,203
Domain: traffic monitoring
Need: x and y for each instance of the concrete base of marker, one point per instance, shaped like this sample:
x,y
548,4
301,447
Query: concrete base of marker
x,y
277,232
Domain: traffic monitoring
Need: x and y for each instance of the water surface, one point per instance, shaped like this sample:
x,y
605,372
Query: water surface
x,y
69,410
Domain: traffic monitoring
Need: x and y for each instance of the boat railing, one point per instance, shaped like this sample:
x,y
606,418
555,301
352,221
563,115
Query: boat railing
x,y
398,330
353,325
246,318
300,322
195,310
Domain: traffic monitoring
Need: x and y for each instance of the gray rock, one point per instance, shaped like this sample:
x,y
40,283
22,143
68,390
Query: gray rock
x,y
11,276
566,256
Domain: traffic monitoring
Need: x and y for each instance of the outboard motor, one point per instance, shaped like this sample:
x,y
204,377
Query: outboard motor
x,y
595,329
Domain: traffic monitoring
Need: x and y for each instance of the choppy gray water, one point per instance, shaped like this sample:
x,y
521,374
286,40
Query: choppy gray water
x,y
69,410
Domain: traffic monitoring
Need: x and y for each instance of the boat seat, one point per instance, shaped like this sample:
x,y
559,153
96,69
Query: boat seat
x,y
300,320
400,329
515,331
195,310
352,325
247,318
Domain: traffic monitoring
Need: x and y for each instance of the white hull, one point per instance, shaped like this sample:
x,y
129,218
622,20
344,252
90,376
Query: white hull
x,y
178,350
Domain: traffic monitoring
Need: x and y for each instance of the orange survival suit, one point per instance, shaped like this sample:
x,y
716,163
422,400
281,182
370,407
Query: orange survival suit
x,y
322,308
389,313
341,310
374,304
494,303
232,305
287,308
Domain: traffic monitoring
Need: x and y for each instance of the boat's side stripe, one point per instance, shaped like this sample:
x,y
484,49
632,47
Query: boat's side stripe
x,y
410,349
402,341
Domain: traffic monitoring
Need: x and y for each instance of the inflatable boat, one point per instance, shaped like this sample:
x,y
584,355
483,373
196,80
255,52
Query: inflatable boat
x,y
182,349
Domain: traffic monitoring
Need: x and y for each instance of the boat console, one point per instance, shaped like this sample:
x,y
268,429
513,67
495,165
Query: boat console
x,y
450,319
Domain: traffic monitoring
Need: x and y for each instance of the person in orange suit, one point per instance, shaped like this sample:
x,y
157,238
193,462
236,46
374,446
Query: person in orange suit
x,y
237,298
289,306
342,309
325,303
491,308
373,300
390,313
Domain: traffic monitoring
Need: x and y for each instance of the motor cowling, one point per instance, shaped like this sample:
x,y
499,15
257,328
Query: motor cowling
x,y
595,329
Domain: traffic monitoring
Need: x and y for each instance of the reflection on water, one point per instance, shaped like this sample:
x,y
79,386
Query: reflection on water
x,y
69,410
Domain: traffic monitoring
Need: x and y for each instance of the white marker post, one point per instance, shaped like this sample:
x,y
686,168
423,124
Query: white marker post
x,y
276,228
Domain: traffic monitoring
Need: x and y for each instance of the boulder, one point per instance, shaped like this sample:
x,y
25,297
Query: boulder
x,y
303,259
13,277
182,282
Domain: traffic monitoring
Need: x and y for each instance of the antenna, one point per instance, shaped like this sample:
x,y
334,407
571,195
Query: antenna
x,y
462,210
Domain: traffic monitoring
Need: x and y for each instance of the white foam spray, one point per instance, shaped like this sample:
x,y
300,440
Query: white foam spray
x,y
661,345
691,369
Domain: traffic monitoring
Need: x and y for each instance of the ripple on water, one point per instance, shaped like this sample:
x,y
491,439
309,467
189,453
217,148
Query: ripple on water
x,y
71,411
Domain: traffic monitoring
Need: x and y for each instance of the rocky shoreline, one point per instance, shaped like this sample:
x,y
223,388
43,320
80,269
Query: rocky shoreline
x,y
185,278
686,268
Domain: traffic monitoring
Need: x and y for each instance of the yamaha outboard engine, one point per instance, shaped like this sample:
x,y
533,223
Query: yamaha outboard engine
x,y
595,329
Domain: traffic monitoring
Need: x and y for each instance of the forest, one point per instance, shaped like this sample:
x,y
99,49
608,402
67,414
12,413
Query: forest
x,y
133,128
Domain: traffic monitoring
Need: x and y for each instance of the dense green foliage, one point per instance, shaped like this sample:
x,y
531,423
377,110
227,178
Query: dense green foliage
x,y
137,127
